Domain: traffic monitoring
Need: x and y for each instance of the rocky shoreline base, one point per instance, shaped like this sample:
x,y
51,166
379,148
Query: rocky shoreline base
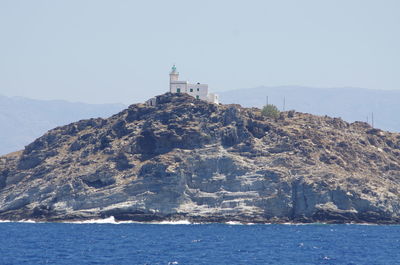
x,y
325,218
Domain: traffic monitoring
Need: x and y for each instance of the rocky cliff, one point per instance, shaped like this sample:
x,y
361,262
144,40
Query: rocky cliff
x,y
189,159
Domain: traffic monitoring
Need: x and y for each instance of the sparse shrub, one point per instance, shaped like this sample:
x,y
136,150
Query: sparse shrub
x,y
290,114
270,111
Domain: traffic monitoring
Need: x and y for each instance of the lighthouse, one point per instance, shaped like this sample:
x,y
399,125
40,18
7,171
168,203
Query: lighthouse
x,y
198,91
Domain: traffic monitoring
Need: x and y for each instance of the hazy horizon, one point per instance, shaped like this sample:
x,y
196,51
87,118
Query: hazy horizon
x,y
110,52
223,91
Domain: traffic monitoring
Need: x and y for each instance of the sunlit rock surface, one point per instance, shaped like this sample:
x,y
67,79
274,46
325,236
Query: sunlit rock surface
x,y
193,160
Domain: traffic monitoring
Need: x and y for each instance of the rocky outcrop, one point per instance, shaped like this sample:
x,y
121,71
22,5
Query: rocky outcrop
x,y
189,159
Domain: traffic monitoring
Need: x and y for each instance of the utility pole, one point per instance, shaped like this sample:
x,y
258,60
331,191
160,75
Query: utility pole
x,y
372,120
367,120
284,103
267,101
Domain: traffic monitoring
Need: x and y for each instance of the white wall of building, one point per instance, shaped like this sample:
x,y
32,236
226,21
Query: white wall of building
x,y
173,76
176,86
199,91
213,98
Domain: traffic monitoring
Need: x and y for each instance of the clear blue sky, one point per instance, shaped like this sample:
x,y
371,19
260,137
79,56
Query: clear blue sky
x,y
121,51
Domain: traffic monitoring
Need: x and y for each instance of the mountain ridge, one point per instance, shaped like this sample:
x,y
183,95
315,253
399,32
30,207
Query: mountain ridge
x,y
23,119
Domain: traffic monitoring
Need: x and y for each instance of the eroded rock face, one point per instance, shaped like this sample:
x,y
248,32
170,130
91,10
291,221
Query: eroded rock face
x,y
189,159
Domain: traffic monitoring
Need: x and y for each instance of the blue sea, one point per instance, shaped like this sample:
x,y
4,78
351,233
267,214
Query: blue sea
x,y
62,243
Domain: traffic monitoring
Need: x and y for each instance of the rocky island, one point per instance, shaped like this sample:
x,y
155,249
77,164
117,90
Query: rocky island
x,y
188,159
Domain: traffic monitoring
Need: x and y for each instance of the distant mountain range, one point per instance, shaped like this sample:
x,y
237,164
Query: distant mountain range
x,y
22,120
351,104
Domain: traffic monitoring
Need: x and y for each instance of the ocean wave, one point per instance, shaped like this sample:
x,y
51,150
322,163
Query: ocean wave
x,y
180,222
111,220
234,223
108,220
20,221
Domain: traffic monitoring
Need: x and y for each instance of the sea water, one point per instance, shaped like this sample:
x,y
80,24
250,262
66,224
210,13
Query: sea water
x,y
133,243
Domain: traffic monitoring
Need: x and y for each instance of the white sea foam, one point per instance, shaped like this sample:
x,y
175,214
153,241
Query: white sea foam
x,y
234,223
362,224
20,221
28,221
180,222
111,220
240,223
108,220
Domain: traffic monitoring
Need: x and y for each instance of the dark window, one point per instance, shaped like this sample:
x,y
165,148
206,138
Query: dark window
x,y
197,97
198,89
178,90
191,90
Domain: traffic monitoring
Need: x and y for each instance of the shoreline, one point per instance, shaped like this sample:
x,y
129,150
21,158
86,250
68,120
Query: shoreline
x,y
112,220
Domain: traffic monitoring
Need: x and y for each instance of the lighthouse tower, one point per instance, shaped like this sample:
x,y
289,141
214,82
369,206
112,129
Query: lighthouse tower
x,y
173,77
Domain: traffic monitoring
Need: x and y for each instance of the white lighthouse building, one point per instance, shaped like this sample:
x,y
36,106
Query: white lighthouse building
x,y
199,91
